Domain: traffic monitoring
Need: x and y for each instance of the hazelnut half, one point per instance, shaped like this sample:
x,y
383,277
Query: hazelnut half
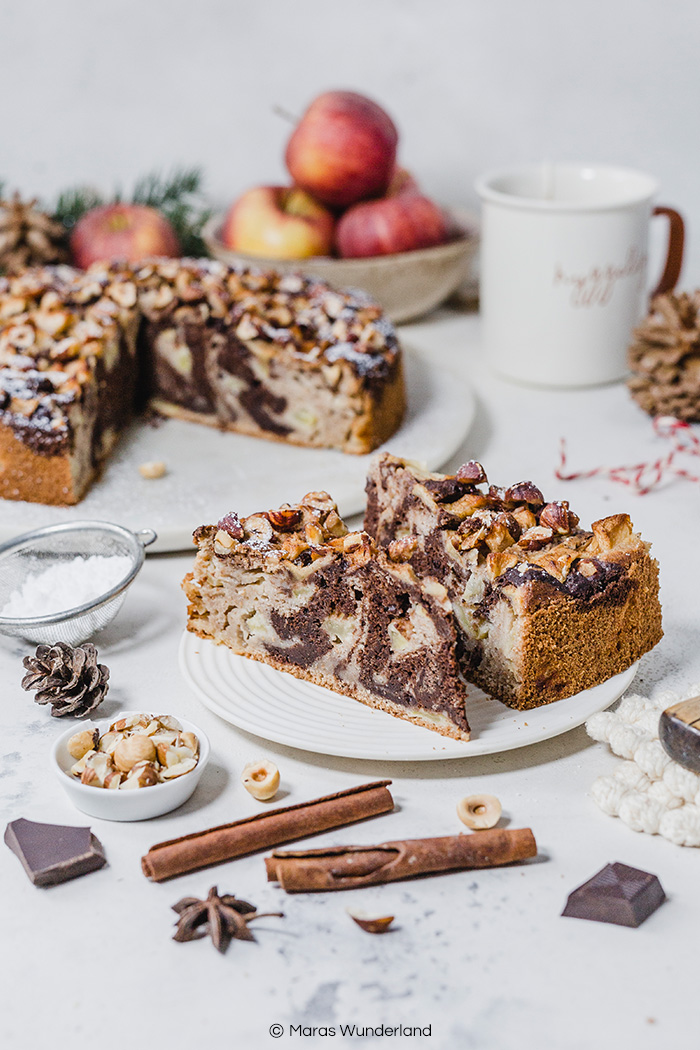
x,y
143,774
479,811
370,923
285,518
261,779
153,469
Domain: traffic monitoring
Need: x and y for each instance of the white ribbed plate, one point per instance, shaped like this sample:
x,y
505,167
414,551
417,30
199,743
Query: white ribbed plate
x,y
279,707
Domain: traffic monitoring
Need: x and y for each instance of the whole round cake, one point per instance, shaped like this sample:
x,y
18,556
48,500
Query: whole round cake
x,y
283,357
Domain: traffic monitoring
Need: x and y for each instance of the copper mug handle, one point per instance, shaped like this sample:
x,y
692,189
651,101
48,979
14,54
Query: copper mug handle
x,y
674,252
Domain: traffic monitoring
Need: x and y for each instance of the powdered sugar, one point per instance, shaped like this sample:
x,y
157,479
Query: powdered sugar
x,y
67,585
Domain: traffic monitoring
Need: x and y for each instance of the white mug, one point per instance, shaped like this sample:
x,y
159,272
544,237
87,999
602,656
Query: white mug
x,y
564,269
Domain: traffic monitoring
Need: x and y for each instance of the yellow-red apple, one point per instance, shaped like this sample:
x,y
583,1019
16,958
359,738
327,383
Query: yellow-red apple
x,y
390,225
343,149
278,222
128,232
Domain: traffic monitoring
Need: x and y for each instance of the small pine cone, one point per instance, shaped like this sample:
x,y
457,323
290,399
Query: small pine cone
x,y
29,236
71,680
665,358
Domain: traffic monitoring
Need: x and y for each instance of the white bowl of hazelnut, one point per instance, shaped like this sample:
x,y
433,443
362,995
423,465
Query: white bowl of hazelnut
x,y
135,767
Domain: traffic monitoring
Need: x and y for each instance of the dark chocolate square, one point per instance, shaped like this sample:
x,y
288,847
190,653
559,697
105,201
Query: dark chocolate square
x,y
618,894
53,853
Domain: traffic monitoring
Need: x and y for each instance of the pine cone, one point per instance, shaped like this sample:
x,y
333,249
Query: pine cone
x,y
71,680
665,358
29,236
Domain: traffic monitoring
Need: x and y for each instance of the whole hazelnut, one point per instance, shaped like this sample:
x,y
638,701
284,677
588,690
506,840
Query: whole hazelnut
x,y
82,742
133,749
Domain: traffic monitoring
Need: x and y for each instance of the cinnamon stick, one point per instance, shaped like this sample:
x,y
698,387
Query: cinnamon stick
x,y
349,867
263,830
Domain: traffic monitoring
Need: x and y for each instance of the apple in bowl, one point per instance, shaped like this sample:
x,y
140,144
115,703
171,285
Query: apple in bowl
x,y
343,149
278,222
129,232
402,223
402,181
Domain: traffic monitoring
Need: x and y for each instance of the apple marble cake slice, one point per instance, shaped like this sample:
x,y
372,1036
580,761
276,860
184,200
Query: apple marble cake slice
x,y
545,609
68,371
294,589
273,355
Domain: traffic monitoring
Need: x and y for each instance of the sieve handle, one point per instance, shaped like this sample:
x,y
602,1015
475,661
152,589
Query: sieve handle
x,y
146,537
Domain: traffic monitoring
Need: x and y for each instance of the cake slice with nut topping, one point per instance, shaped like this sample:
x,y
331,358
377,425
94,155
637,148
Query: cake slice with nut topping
x,y
293,588
273,355
545,608
68,371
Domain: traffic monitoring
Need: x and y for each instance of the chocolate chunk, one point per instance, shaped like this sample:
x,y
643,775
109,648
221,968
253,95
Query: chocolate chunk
x,y
617,893
52,853
679,733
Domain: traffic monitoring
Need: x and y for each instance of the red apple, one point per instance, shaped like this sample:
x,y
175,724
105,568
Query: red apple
x,y
390,225
278,222
129,232
343,149
402,181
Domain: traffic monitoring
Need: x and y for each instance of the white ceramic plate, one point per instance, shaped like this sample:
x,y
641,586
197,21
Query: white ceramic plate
x,y
279,707
211,472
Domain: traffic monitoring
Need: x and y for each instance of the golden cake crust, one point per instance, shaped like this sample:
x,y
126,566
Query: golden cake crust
x,y
26,475
569,644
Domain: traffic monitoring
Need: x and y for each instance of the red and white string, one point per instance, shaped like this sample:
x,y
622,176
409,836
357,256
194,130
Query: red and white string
x,y
645,477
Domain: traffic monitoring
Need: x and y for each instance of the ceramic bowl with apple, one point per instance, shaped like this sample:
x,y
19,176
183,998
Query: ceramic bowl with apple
x,y
352,216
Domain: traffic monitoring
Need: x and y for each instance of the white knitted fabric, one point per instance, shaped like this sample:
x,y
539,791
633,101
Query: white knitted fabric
x,y
648,791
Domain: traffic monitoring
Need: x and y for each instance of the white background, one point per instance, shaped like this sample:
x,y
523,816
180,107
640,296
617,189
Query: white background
x,y
103,92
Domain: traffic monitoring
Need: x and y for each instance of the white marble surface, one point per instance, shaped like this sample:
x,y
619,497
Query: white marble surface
x,y
483,958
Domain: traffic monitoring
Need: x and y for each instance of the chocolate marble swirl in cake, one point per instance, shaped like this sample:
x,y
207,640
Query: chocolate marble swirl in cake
x,y
294,589
274,355
544,608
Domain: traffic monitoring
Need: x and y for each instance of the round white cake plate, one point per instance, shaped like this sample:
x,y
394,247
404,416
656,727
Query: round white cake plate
x,y
210,472
288,710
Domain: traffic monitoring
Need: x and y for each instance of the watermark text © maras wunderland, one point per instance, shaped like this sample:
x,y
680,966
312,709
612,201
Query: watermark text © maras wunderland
x,y
596,287
354,1030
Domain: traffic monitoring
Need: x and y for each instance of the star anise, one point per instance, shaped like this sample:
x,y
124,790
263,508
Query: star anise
x,y
224,918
